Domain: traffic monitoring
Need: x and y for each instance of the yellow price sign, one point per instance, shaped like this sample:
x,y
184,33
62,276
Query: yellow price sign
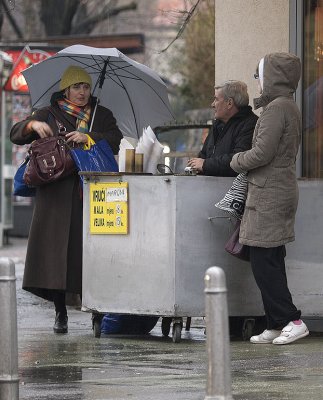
x,y
109,208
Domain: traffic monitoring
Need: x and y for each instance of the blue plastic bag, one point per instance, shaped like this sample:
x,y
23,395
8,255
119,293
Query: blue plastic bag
x,y
113,324
19,186
99,158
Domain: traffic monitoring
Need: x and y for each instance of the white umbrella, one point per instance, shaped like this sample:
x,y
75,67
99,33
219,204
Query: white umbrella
x,y
132,91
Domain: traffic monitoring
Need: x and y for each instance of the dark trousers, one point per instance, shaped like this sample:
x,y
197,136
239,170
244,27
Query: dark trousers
x,y
59,301
268,267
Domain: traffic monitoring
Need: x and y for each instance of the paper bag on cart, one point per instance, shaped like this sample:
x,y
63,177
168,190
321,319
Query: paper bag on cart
x,y
144,146
141,157
126,156
152,149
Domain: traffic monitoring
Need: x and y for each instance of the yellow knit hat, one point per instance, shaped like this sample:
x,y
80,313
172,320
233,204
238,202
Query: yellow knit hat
x,y
72,75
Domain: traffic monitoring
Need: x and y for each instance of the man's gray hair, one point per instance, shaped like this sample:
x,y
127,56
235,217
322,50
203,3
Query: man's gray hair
x,y
236,90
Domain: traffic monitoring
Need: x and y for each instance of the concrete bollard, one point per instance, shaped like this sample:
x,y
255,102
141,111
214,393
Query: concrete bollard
x,y
9,382
217,336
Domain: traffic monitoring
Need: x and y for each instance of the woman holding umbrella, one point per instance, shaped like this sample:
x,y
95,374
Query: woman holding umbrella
x,y
54,255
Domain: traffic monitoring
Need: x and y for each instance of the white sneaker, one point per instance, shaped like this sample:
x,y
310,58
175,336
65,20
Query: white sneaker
x,y
291,332
267,336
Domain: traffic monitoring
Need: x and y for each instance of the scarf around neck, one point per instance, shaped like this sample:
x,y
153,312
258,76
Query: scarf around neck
x,y
82,114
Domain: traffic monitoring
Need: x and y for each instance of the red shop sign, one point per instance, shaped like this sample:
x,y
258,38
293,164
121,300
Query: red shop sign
x,y
23,59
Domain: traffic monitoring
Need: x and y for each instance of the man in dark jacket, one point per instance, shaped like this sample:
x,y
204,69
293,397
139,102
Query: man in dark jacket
x,y
231,133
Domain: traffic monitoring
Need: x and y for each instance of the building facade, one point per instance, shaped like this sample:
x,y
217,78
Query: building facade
x,y
245,30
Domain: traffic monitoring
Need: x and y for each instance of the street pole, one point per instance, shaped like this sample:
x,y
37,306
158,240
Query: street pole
x,y
9,382
217,336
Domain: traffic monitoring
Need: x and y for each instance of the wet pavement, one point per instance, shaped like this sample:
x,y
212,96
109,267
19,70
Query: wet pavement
x,y
77,366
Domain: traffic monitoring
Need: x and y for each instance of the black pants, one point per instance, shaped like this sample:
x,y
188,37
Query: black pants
x,y
268,266
59,301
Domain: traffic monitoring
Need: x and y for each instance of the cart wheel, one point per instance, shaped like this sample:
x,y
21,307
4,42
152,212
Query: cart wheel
x,y
96,324
97,328
188,323
247,328
177,331
165,326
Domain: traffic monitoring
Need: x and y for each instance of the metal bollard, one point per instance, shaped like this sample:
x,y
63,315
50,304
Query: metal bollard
x,y
217,336
9,382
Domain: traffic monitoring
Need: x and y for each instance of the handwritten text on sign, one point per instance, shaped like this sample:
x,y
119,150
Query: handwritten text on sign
x,y
109,208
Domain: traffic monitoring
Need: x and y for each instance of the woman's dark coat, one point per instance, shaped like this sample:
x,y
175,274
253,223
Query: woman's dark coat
x,y
227,139
54,253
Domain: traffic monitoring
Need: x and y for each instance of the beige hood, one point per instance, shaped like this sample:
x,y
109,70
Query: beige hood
x,y
281,74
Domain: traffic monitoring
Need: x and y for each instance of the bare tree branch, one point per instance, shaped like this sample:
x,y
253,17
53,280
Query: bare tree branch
x,y
88,24
1,19
57,16
182,28
11,19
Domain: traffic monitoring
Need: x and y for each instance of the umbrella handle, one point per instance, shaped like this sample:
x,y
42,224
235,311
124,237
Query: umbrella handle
x,y
94,112
102,78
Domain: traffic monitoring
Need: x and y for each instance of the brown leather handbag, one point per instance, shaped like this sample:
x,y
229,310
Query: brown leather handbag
x,y
49,158
234,247
49,161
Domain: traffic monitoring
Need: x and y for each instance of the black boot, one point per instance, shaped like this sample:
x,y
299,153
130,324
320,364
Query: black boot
x,y
60,325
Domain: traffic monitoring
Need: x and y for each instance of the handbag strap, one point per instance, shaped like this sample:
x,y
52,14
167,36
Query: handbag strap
x,y
61,117
61,127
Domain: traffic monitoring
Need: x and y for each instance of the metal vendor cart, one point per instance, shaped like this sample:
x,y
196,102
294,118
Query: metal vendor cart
x,y
148,240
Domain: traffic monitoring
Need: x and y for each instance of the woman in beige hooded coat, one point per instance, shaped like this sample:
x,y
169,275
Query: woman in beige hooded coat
x,y
269,216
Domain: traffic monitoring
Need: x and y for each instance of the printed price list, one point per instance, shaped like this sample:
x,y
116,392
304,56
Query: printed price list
x,y
109,208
